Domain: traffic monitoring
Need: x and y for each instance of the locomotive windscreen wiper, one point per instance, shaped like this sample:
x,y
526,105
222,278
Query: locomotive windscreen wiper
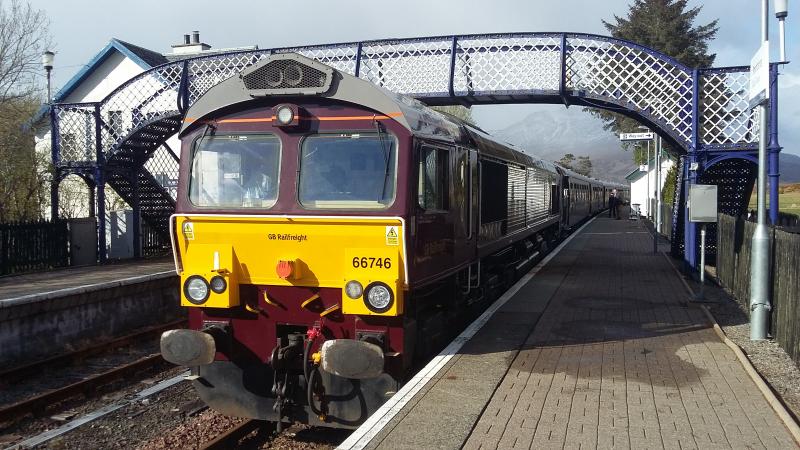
x,y
386,156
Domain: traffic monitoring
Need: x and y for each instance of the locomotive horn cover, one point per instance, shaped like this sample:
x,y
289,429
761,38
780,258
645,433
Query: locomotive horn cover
x,y
352,359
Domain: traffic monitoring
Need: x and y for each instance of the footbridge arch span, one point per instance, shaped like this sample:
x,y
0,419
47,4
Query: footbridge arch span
x,y
701,112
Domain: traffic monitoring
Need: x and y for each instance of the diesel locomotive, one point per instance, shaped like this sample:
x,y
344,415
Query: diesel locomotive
x,y
328,232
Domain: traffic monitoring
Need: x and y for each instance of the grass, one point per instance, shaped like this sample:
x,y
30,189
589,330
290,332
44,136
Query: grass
x,y
788,198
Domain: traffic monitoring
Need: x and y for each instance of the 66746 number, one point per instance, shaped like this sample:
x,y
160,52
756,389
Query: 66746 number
x,y
366,262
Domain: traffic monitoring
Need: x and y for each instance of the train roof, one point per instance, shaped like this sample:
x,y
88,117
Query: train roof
x,y
254,83
266,79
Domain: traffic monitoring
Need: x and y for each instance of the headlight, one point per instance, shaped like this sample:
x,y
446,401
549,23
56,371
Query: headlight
x,y
379,297
353,289
196,289
284,115
218,284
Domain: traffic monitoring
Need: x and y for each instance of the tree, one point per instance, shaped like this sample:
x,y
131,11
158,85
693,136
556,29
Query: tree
x,y
666,26
24,36
24,174
584,166
670,183
457,111
567,160
581,164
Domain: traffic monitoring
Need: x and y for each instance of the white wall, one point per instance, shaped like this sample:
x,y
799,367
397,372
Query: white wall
x,y
111,73
639,192
114,71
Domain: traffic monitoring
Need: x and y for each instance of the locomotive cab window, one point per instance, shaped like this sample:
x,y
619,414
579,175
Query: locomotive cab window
x,y
235,171
348,170
433,193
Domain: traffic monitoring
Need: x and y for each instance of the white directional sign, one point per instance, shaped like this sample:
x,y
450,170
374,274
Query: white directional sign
x,y
759,76
635,136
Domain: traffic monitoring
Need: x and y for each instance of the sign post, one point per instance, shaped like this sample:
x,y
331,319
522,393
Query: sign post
x,y
702,206
647,136
759,255
636,136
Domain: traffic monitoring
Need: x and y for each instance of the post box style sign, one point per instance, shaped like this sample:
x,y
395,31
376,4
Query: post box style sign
x,y
703,203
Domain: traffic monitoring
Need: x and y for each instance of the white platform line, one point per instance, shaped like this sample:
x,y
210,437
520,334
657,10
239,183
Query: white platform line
x,y
108,409
362,436
29,298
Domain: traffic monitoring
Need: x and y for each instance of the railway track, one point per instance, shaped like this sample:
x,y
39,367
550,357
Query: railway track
x,y
84,387
231,438
16,373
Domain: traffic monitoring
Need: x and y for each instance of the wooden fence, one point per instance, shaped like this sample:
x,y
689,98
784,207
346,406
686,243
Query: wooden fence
x,y
733,271
28,246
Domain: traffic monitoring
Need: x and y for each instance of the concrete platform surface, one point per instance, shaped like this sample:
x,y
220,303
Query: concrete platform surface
x,y
600,349
60,282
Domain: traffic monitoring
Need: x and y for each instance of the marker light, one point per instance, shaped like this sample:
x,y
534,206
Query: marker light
x,y
218,284
196,289
781,8
353,289
284,115
378,297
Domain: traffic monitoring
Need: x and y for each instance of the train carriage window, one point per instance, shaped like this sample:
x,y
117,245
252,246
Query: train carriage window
x,y
348,170
433,193
235,171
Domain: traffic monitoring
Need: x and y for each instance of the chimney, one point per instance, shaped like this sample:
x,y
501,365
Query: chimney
x,y
191,45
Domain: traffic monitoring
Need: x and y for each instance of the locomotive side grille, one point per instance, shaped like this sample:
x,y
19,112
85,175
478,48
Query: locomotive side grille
x,y
287,74
516,198
538,192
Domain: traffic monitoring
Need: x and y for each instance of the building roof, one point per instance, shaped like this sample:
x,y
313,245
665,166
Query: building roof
x,y
144,58
149,57
635,175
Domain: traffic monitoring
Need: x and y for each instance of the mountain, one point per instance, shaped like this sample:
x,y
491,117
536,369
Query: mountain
x,y
549,134
789,168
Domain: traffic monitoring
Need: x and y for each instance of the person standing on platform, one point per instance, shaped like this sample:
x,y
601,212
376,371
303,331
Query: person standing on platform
x,y
618,201
612,203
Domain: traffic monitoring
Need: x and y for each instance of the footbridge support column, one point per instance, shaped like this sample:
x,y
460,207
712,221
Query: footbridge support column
x,y
774,148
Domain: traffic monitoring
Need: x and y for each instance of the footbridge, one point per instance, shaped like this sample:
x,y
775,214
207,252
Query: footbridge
x,y
702,113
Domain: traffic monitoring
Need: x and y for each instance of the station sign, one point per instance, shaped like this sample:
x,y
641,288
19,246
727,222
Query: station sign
x,y
759,76
636,136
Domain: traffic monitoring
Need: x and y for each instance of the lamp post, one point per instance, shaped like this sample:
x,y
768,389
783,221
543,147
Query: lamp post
x,y
47,63
649,208
781,11
759,256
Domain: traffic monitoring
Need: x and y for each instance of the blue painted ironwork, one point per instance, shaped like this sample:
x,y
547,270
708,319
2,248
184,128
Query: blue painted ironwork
x,y
773,147
697,111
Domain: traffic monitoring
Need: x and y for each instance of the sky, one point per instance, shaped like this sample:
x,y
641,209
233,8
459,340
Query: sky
x,y
80,28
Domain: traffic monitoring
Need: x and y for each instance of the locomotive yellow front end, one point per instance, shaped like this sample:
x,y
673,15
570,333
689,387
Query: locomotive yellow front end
x,y
290,242
363,257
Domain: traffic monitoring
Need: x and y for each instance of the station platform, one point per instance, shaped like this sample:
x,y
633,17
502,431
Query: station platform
x,y
46,313
37,285
598,347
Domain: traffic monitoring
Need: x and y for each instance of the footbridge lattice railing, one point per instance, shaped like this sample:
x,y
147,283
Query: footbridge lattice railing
x,y
699,111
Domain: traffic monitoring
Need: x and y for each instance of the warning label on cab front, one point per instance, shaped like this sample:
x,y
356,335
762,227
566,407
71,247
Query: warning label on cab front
x,y
392,236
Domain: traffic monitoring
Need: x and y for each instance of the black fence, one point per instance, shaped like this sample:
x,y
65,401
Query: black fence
x,y
734,237
154,243
29,246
